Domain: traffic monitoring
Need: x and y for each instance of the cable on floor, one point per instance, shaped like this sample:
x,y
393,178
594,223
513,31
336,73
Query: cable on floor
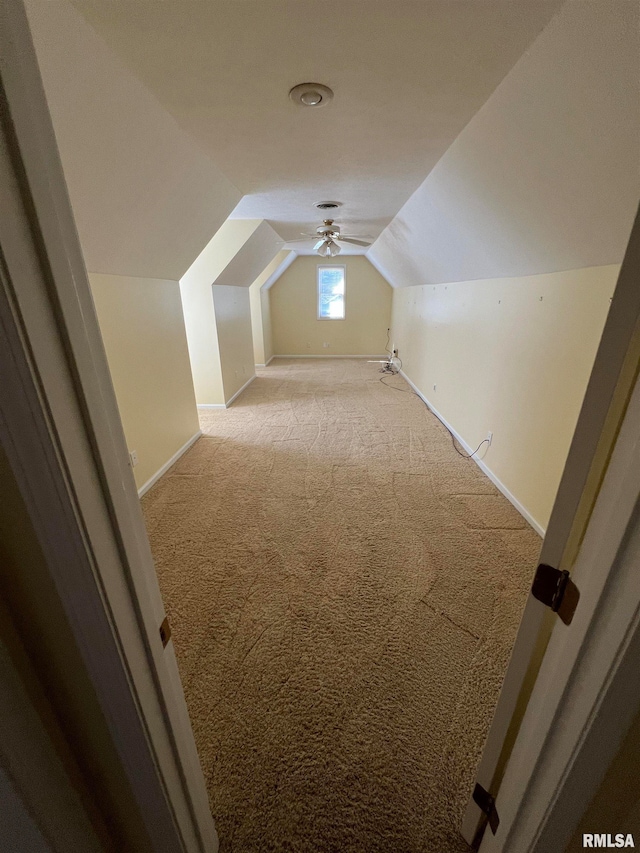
x,y
429,409
390,367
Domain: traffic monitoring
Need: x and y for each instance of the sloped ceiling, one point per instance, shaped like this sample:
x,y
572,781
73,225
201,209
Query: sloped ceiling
x,y
218,253
272,273
186,102
145,195
407,75
546,176
253,256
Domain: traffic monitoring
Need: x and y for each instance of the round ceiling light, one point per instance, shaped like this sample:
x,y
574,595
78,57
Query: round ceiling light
x,y
311,95
311,99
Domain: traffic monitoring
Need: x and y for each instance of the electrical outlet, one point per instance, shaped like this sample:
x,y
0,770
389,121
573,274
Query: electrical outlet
x,y
133,456
489,437
308,345
434,387
325,345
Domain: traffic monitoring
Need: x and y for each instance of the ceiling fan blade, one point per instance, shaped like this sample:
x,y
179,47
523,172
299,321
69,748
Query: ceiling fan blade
x,y
352,240
296,240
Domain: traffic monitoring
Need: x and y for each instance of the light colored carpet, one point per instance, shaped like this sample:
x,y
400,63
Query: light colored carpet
x,y
344,590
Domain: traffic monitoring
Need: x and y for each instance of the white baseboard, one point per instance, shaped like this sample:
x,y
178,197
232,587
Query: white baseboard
x,y
239,391
330,356
266,364
230,401
482,465
145,488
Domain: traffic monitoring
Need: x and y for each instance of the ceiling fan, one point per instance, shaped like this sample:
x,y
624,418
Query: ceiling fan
x,y
329,237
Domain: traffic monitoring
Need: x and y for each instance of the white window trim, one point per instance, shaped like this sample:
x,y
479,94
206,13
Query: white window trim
x,y
344,300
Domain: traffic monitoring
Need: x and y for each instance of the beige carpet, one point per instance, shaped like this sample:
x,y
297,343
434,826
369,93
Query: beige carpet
x,y
344,590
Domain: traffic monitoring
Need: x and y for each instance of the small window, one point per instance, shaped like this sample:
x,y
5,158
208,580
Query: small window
x,y
331,288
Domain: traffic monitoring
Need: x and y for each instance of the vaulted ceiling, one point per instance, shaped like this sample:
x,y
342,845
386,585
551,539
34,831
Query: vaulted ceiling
x,y
146,197
469,138
546,176
408,75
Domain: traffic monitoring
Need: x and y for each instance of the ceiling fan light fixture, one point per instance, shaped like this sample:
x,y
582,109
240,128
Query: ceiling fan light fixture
x,y
327,248
311,95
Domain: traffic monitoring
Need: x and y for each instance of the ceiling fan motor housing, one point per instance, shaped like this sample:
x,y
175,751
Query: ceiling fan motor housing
x,y
328,229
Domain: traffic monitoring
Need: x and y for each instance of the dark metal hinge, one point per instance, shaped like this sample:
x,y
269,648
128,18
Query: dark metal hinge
x,y
556,589
165,631
487,805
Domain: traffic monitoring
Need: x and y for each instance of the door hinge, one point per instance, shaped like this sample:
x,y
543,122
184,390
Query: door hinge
x,y
165,631
556,589
487,805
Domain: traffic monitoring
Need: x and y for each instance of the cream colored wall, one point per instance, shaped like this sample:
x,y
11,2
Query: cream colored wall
x,y
202,341
294,310
197,302
510,355
144,337
233,323
261,310
257,331
267,327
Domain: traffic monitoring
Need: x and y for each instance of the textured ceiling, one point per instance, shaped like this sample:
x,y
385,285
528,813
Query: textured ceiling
x,y
545,177
407,77
146,198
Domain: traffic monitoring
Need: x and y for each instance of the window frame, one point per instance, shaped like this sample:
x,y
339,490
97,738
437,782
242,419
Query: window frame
x,y
320,267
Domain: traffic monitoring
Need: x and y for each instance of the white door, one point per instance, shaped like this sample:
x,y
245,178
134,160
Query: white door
x,y
62,435
608,392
